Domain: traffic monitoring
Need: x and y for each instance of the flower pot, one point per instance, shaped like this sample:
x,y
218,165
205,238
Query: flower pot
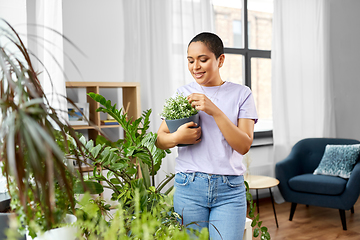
x,y
173,125
62,233
3,182
4,201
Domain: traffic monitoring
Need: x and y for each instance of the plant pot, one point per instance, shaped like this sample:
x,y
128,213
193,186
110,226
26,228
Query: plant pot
x,y
62,233
173,125
4,201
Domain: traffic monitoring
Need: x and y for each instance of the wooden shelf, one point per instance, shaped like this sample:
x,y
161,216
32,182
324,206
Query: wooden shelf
x,y
80,127
130,100
85,168
109,126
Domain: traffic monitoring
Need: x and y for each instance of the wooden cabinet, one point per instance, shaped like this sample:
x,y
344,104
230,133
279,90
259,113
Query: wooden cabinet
x,y
130,101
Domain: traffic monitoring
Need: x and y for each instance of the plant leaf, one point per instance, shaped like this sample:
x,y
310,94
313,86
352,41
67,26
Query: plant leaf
x,y
119,166
115,181
95,151
253,223
256,232
90,186
145,173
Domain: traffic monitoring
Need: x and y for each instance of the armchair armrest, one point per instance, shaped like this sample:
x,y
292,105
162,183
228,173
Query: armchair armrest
x,y
289,167
286,169
352,191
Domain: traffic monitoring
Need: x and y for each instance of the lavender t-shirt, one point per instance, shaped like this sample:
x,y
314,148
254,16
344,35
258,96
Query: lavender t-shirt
x,y
213,155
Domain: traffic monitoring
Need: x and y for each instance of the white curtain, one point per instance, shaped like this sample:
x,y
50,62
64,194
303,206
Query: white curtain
x,y
301,89
45,22
156,36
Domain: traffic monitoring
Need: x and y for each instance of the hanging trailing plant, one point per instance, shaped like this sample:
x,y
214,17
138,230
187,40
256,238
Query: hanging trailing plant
x,y
256,224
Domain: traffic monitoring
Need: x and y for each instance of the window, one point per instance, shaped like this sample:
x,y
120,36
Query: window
x,y
245,26
237,33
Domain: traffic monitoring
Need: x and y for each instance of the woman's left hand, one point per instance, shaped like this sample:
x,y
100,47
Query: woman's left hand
x,y
201,102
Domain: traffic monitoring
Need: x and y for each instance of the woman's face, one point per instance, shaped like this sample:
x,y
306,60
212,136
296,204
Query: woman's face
x,y
203,65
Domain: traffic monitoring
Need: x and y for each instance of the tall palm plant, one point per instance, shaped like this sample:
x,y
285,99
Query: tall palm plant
x,y
29,137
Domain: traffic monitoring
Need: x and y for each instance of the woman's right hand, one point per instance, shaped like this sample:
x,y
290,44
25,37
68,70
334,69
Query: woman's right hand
x,y
188,133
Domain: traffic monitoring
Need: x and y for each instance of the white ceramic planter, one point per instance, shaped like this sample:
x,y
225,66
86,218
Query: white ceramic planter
x,y
63,233
3,182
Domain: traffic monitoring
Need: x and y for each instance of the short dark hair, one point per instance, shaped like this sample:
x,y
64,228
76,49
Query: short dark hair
x,y
212,41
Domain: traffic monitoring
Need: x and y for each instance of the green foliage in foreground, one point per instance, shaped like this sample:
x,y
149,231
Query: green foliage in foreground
x,y
158,224
142,212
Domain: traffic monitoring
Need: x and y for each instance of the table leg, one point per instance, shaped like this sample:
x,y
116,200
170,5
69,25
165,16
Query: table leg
x,y
272,201
257,200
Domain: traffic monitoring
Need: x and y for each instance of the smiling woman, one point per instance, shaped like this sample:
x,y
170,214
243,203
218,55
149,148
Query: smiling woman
x,y
211,169
204,64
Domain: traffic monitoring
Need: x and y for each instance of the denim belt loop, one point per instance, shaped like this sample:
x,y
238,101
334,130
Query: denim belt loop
x,y
192,176
224,178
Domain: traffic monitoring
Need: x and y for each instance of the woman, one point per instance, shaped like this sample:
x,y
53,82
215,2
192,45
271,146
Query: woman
x,y
209,183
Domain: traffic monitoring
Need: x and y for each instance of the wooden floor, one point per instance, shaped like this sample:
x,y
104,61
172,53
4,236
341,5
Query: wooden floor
x,y
309,222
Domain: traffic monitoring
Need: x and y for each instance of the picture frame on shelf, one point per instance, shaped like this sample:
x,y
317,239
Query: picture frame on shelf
x,y
76,117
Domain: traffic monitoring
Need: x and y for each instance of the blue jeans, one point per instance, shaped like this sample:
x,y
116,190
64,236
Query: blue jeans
x,y
216,202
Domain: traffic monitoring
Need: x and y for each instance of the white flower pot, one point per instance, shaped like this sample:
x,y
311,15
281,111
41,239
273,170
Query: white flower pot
x,y
63,233
3,182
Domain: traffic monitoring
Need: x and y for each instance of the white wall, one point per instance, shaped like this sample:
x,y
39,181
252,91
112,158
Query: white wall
x,y
345,60
96,27
18,21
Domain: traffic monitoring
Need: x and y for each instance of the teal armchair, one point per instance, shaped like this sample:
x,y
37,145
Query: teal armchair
x,y
299,185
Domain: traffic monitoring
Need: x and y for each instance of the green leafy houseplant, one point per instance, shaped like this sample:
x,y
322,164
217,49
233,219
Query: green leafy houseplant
x,y
178,111
144,209
177,107
35,166
137,145
131,224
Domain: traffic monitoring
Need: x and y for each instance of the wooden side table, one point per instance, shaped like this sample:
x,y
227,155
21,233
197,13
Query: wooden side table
x,y
262,182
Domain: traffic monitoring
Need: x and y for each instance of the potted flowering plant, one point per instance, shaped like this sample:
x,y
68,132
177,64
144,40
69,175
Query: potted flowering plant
x,y
178,111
